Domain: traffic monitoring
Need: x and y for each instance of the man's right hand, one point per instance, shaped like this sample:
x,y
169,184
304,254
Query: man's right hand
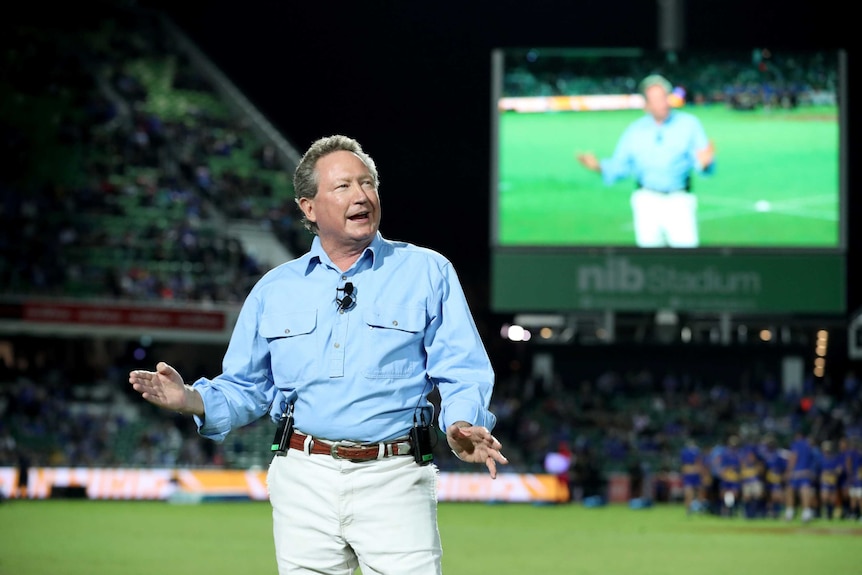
x,y
165,388
589,161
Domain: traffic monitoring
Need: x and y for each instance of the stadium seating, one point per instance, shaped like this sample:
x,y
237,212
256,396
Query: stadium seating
x,y
131,195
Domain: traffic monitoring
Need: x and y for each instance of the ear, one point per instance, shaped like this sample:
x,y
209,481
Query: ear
x,y
307,207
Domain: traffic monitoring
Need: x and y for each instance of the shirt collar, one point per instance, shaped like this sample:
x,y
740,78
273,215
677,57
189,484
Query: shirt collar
x,y
317,255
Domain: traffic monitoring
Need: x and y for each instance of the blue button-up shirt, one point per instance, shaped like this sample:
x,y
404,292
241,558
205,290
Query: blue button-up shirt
x,y
659,156
357,374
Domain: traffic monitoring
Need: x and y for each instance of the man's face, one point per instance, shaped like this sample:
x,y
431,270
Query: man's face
x,y
346,208
657,104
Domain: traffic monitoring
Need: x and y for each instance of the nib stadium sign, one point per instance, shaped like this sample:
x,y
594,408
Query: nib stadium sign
x,y
685,281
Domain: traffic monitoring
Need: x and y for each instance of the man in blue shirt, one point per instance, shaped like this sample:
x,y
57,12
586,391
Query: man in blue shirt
x,y
660,151
349,339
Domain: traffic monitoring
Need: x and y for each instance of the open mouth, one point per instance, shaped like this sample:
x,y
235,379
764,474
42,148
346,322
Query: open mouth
x,y
359,217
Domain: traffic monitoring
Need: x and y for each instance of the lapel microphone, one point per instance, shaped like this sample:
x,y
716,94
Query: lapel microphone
x,y
348,301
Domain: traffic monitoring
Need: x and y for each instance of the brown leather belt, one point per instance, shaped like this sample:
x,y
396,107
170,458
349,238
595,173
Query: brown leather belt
x,y
342,450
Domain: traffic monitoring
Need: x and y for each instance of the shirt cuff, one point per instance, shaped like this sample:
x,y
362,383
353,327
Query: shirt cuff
x,y
215,424
468,411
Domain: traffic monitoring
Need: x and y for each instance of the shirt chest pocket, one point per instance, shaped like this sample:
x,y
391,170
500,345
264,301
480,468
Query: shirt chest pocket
x,y
292,341
396,336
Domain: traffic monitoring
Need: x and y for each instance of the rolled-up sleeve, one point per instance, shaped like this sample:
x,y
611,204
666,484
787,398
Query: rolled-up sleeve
x,y
457,360
621,164
244,391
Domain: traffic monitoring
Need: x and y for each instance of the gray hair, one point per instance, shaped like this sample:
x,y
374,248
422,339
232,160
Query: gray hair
x,y
305,178
655,80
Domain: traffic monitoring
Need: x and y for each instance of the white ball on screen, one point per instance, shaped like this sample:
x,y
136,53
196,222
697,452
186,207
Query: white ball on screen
x,y
762,206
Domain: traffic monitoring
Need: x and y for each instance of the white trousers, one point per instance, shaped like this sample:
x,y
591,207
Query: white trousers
x,y
333,515
665,220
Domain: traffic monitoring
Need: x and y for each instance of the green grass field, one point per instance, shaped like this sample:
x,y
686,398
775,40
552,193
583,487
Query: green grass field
x,y
59,537
786,160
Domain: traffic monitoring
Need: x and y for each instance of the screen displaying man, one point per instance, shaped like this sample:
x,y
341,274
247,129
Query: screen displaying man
x,y
661,151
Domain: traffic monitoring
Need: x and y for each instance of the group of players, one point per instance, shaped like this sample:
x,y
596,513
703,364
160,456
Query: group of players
x,y
763,479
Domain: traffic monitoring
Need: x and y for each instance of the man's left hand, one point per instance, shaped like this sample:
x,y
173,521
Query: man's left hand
x,y
706,156
475,444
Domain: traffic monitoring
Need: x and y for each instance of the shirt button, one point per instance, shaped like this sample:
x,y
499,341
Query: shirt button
x,y
287,331
395,322
337,345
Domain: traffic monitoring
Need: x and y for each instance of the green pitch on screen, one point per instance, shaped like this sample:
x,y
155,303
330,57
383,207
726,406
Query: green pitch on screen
x,y
776,179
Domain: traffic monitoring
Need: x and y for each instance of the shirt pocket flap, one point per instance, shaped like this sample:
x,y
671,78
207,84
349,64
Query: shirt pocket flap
x,y
287,324
409,319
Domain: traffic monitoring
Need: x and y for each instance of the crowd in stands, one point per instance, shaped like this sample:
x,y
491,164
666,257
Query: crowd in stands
x,y
128,165
61,407
740,79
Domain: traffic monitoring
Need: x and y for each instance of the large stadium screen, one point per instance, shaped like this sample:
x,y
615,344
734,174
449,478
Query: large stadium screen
x,y
597,206
774,118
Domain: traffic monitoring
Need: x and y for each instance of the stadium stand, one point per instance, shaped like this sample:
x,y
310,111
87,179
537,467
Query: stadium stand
x,y
144,173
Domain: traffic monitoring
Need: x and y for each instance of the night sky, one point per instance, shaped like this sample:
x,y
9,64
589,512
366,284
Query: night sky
x,y
412,82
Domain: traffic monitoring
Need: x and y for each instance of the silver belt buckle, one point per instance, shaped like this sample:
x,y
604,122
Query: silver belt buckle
x,y
333,449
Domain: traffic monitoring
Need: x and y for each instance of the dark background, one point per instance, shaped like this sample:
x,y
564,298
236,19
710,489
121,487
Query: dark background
x,y
412,82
